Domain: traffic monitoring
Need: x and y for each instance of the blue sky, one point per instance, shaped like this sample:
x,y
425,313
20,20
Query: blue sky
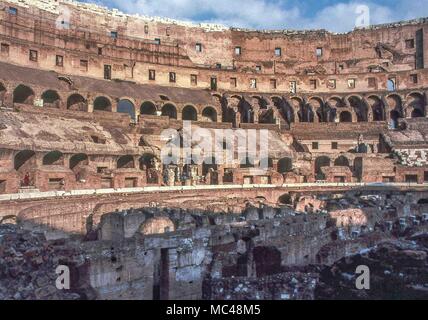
x,y
334,15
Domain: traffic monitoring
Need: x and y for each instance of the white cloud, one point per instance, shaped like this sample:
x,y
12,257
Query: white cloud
x,y
272,14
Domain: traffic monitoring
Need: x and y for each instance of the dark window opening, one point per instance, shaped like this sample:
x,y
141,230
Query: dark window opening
x,y
334,145
34,55
410,43
59,61
315,145
5,48
172,77
107,72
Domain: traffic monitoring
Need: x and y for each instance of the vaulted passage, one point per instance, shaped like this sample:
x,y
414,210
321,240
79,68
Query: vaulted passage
x,y
53,158
285,165
190,113
126,162
169,110
76,102
24,95
209,114
148,108
320,163
126,106
345,116
102,104
51,99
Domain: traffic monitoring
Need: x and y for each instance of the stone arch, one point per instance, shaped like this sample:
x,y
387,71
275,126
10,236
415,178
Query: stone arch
x,y
147,161
148,108
53,158
156,225
317,106
246,110
360,108
285,165
78,160
321,162
209,114
415,105
51,99
345,116
77,102
285,109
189,113
306,113
341,161
102,104
125,162
126,106
23,94
395,106
267,116
169,110
336,102
25,160
285,199
377,108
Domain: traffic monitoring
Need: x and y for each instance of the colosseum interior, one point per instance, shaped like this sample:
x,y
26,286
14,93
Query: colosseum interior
x,y
86,95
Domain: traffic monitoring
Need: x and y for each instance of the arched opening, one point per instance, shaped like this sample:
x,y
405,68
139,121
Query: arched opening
x,y
416,105
78,160
417,113
126,162
342,161
246,111
285,165
148,161
378,108
126,106
359,107
102,104
23,94
150,164
53,158
345,116
51,99
320,163
76,102
285,199
267,116
209,114
306,114
25,160
148,108
395,116
285,109
358,168
2,93
210,171
156,225
318,105
190,113
169,110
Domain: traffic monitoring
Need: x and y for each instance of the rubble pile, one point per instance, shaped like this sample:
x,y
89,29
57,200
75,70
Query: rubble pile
x,y
28,263
285,286
398,270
